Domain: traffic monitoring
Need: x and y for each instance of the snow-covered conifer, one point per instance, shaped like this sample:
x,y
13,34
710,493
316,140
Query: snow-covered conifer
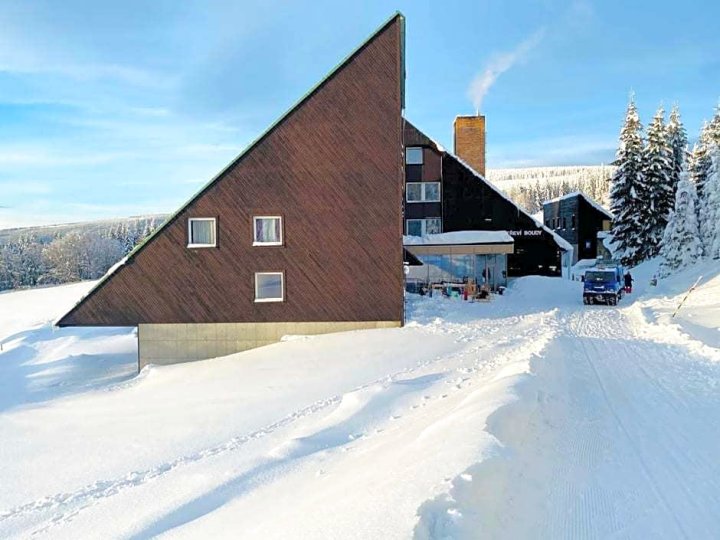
x,y
681,245
710,206
677,139
699,163
658,200
627,189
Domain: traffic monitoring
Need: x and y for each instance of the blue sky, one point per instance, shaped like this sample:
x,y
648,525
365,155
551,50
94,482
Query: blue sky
x,y
111,109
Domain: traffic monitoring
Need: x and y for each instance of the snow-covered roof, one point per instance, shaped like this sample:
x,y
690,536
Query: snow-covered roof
x,y
589,199
459,238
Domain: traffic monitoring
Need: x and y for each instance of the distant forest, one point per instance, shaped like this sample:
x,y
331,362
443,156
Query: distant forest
x,y
531,187
52,255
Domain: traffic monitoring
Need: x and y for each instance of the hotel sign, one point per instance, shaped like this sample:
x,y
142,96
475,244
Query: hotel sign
x,y
526,232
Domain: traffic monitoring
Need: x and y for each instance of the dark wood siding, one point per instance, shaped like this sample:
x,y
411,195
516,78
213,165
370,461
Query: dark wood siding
x,y
588,221
333,169
469,203
432,165
562,212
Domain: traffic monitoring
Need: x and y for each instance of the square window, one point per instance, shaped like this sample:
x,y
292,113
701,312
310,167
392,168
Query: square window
x,y
433,226
414,192
201,232
414,155
267,231
432,191
269,287
414,227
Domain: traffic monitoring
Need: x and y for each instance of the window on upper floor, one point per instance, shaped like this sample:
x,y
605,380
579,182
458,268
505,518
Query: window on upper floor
x,y
422,191
413,155
421,227
564,222
202,232
267,231
572,221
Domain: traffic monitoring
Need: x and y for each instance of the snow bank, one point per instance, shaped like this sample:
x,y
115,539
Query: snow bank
x,y
26,309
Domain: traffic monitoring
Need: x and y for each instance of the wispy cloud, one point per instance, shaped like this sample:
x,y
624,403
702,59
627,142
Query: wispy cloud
x,y
43,157
498,65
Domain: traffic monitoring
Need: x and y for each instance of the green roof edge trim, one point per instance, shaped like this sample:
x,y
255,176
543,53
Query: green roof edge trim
x,y
137,249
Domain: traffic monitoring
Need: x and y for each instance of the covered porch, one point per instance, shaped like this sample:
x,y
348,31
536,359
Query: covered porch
x,y
457,259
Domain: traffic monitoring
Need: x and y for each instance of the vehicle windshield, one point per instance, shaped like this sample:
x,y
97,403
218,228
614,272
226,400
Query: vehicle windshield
x,y
600,276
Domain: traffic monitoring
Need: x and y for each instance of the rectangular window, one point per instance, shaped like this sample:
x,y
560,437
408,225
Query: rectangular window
x,y
433,226
202,232
414,227
564,222
421,227
414,192
267,231
269,287
572,221
423,191
414,155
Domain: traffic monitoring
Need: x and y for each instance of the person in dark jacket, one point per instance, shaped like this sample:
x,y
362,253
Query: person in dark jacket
x,y
628,282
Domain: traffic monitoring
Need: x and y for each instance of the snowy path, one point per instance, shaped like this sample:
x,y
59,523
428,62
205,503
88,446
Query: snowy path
x,y
531,417
616,436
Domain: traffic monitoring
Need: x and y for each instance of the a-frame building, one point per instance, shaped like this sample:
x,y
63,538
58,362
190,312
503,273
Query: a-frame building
x,y
301,233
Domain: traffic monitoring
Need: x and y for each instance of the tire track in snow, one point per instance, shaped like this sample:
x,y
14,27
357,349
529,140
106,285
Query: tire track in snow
x,y
633,445
681,455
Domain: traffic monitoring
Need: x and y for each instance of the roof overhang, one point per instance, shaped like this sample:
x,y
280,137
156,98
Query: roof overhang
x,y
461,243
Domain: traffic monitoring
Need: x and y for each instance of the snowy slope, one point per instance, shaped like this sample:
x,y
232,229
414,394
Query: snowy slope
x,y
532,416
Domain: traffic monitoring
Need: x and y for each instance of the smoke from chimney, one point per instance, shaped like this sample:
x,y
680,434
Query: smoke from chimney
x,y
498,65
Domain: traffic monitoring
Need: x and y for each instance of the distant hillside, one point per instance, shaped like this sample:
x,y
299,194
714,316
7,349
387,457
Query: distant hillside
x,y
530,187
51,254
102,227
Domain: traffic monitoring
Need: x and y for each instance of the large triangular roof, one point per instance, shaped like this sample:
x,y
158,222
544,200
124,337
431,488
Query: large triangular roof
x,y
396,20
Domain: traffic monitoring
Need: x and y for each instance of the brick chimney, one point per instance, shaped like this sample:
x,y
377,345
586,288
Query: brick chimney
x,y
470,141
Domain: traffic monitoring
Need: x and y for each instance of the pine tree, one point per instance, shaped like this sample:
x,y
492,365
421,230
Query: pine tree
x,y
681,245
710,207
699,164
627,189
660,195
714,127
677,139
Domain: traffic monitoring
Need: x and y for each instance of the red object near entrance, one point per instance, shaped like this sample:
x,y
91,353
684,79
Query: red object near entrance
x,y
628,290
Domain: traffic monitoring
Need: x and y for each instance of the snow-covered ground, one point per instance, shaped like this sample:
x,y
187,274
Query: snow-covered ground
x,y
532,416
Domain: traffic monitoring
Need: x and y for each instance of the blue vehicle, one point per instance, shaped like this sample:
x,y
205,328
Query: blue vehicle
x,y
604,285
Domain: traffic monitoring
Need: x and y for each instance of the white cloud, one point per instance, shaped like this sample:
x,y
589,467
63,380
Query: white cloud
x,y
43,157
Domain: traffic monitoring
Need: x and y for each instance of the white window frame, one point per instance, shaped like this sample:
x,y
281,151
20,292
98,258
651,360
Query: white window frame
x,y
189,229
423,199
282,287
407,154
423,226
256,242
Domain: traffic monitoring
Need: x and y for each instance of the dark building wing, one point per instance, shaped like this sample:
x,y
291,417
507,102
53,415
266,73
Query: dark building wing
x,y
332,169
